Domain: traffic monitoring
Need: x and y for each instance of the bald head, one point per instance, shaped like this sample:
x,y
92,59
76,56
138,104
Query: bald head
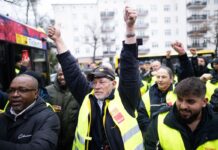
x,y
23,92
33,81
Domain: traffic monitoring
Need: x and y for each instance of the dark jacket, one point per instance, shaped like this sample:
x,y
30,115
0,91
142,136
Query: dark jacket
x,y
199,70
158,98
186,69
3,99
68,114
205,131
129,85
35,129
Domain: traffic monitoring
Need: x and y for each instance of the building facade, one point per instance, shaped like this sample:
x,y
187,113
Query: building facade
x,y
159,23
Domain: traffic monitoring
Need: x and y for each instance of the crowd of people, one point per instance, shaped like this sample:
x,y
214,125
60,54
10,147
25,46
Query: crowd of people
x,y
144,105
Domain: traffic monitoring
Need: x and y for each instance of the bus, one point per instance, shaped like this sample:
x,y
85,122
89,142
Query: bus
x,y
208,54
15,38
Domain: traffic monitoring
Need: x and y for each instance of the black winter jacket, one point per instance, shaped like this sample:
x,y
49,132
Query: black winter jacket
x,y
129,87
205,131
35,129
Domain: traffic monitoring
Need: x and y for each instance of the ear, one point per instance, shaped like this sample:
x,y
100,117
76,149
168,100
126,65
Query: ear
x,y
114,83
204,101
36,94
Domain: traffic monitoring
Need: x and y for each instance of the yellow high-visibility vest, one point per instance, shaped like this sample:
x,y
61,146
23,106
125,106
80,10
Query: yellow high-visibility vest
x,y
170,100
128,125
210,89
171,139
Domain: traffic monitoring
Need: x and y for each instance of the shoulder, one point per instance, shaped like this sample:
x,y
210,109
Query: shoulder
x,y
162,111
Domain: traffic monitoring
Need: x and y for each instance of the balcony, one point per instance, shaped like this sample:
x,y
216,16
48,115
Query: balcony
x,y
107,29
108,41
143,37
107,15
197,33
197,18
109,53
143,51
198,45
196,5
142,12
141,25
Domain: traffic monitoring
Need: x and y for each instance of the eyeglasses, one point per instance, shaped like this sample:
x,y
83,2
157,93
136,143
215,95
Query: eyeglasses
x,y
20,90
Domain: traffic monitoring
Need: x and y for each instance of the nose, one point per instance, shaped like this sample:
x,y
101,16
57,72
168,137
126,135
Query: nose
x,y
15,93
96,85
183,105
159,79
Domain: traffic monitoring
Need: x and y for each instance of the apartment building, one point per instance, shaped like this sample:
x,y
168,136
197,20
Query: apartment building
x,y
159,23
202,19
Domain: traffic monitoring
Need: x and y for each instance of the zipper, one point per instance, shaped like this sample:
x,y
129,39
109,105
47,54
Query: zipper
x,y
104,120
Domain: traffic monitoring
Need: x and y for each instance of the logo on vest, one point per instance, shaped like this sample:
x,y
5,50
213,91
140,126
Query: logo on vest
x,y
23,136
117,115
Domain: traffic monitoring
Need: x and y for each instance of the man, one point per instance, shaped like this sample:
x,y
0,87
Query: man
x,y
199,63
106,118
66,107
211,79
27,124
189,125
20,64
161,93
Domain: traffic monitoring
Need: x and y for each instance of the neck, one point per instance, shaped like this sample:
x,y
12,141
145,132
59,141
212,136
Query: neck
x,y
195,123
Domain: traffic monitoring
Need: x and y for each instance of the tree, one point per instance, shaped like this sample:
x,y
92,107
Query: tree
x,y
92,38
212,27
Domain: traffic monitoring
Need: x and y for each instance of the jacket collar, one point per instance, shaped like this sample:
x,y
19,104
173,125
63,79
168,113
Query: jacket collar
x,y
173,120
37,107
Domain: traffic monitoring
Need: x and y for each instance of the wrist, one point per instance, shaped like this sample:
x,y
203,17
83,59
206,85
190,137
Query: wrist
x,y
130,34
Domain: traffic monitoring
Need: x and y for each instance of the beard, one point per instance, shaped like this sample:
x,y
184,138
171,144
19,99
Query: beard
x,y
190,119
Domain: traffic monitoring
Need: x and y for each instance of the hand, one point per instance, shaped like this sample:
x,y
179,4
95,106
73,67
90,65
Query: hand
x,y
193,51
130,16
54,33
25,62
177,46
205,77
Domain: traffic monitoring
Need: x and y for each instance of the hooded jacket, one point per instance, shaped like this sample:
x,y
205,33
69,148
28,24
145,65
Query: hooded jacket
x,y
68,115
37,128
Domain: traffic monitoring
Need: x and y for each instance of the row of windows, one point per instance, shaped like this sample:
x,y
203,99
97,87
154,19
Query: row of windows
x,y
156,45
167,20
167,32
166,8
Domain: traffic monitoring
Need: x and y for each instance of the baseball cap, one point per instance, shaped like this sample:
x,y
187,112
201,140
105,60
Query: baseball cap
x,y
101,72
215,60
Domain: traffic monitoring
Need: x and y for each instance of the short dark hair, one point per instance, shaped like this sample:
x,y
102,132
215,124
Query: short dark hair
x,y
191,86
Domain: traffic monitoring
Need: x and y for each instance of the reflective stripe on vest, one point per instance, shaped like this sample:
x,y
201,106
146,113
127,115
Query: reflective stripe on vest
x,y
128,125
171,139
82,138
170,100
